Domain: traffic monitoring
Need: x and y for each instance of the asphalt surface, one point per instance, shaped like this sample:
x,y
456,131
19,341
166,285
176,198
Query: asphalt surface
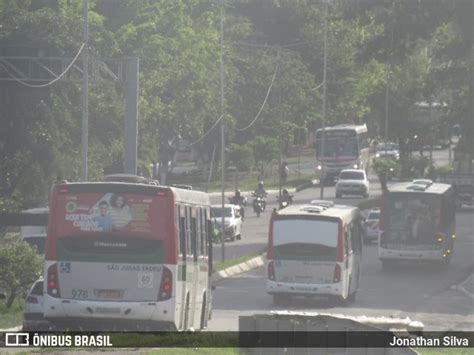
x,y
419,291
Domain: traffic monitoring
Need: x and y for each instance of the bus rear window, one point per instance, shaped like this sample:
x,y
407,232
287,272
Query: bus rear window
x,y
305,239
411,218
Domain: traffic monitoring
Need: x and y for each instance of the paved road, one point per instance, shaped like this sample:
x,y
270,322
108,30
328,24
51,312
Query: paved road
x,y
420,292
255,230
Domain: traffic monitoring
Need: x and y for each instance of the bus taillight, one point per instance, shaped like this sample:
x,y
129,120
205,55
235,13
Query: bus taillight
x,y
166,285
271,271
52,281
337,274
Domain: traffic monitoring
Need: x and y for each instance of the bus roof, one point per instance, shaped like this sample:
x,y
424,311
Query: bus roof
x,y
410,187
181,195
357,128
344,212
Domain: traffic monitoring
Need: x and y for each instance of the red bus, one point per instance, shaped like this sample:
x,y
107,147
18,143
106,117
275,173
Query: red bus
x,y
127,256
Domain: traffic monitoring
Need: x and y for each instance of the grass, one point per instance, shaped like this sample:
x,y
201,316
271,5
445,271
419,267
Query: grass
x,y
231,262
13,316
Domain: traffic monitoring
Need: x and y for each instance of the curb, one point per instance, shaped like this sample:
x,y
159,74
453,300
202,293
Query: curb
x,y
238,269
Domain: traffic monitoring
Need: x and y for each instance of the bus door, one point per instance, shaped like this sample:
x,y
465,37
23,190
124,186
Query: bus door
x,y
353,245
182,290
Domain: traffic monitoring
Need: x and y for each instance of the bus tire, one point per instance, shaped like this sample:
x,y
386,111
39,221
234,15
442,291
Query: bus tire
x,y
352,297
203,324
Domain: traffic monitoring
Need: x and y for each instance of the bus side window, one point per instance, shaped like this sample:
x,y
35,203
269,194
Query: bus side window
x,y
194,239
207,230
202,235
188,231
348,239
182,232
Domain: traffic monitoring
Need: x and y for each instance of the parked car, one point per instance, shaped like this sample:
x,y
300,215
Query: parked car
x,y
352,182
232,220
33,318
371,225
388,150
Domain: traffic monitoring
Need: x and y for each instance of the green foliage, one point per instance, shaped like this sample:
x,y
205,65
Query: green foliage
x,y
241,156
265,149
20,265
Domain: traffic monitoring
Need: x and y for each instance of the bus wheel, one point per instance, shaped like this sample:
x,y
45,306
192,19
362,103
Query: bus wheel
x,y
352,297
203,314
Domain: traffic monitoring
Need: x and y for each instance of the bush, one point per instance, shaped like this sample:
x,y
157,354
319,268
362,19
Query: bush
x,y
21,266
241,156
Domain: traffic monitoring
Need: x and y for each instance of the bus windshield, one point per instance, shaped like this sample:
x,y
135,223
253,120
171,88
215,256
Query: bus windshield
x,y
411,218
305,239
338,144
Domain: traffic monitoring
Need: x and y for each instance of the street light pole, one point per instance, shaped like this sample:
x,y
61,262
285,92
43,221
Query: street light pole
x,y
85,92
323,168
222,134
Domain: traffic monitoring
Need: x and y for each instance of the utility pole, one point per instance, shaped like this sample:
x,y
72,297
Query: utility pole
x,y
281,128
222,134
323,168
85,92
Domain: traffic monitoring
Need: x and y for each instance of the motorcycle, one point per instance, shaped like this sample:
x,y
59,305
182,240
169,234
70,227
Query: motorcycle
x,y
241,202
258,204
284,201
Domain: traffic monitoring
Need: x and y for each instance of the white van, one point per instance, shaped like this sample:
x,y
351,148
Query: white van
x,y
314,250
35,235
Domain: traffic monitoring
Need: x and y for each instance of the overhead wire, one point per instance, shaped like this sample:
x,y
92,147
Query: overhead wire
x,y
264,102
208,131
52,81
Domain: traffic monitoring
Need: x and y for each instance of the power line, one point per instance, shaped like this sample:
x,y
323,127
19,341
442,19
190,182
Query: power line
x,y
264,102
209,131
51,82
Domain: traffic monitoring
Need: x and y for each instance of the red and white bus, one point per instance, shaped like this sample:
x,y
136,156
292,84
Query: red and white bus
x,y
314,250
127,255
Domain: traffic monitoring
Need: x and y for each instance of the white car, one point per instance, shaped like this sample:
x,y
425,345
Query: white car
x,y
352,182
371,225
388,150
33,317
232,220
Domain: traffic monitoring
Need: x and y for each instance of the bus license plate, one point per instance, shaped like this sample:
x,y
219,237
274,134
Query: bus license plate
x,y
110,294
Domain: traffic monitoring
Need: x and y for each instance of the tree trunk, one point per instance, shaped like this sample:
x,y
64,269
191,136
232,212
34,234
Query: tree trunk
x,y
10,299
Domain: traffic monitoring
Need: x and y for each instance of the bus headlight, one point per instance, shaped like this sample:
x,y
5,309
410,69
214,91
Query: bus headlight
x,y
439,238
319,167
453,236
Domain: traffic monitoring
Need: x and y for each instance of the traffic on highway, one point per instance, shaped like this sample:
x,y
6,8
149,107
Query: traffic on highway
x,y
237,173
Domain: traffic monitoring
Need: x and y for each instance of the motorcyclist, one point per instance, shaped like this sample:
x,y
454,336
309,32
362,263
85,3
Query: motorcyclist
x,y
285,197
260,191
238,200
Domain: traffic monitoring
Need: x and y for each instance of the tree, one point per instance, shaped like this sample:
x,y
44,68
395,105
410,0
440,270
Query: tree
x,y
241,156
20,265
265,150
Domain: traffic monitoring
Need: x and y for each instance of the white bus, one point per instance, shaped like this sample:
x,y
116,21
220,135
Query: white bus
x,y
417,223
127,256
314,250
345,147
